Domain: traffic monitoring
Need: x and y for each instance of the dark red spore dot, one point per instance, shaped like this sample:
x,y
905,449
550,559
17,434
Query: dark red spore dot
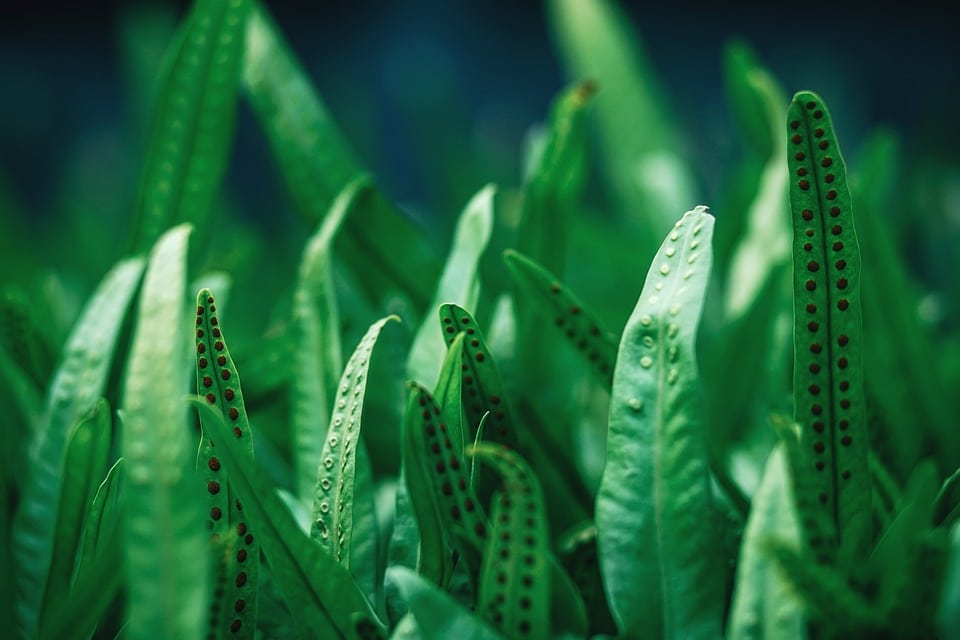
x,y
221,360
218,345
455,512
480,530
450,330
823,144
816,409
823,498
216,513
834,212
213,487
843,304
838,246
469,505
800,156
818,132
846,441
242,555
239,605
435,447
225,374
215,332
241,528
441,467
207,381
199,321
233,413
832,194
842,363
818,426
235,626
237,432
807,214
241,579
813,326
814,389
199,311
843,339
818,114
811,105
479,357
809,233
202,363
248,539
819,447
229,394
447,321
836,229
829,178
811,285
844,385
821,465
844,404
465,321
200,333
808,246
802,171
212,399
814,367
796,139
462,484
794,124
209,299
804,184
845,474
555,287
816,348
470,331
201,348
214,464
213,322
841,264
454,463
813,266
811,308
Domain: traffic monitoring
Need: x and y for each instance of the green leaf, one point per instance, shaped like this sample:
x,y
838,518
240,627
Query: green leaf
x,y
577,322
438,615
79,381
459,283
193,120
637,140
316,165
828,334
236,550
555,180
102,522
321,594
764,606
514,590
165,542
580,559
317,357
332,520
659,543
85,462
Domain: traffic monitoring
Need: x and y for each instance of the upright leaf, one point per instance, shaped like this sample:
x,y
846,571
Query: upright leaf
x,y
321,594
332,522
659,544
459,283
438,615
78,383
828,335
317,358
165,542
235,546
85,463
193,120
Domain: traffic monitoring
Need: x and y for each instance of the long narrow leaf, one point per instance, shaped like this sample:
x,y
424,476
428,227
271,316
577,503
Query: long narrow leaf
x,y
193,121
321,594
80,380
658,541
165,542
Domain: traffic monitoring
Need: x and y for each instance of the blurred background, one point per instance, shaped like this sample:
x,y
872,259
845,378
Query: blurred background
x,y
438,97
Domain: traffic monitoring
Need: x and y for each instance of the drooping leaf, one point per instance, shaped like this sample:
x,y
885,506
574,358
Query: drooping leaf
x,y
658,539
